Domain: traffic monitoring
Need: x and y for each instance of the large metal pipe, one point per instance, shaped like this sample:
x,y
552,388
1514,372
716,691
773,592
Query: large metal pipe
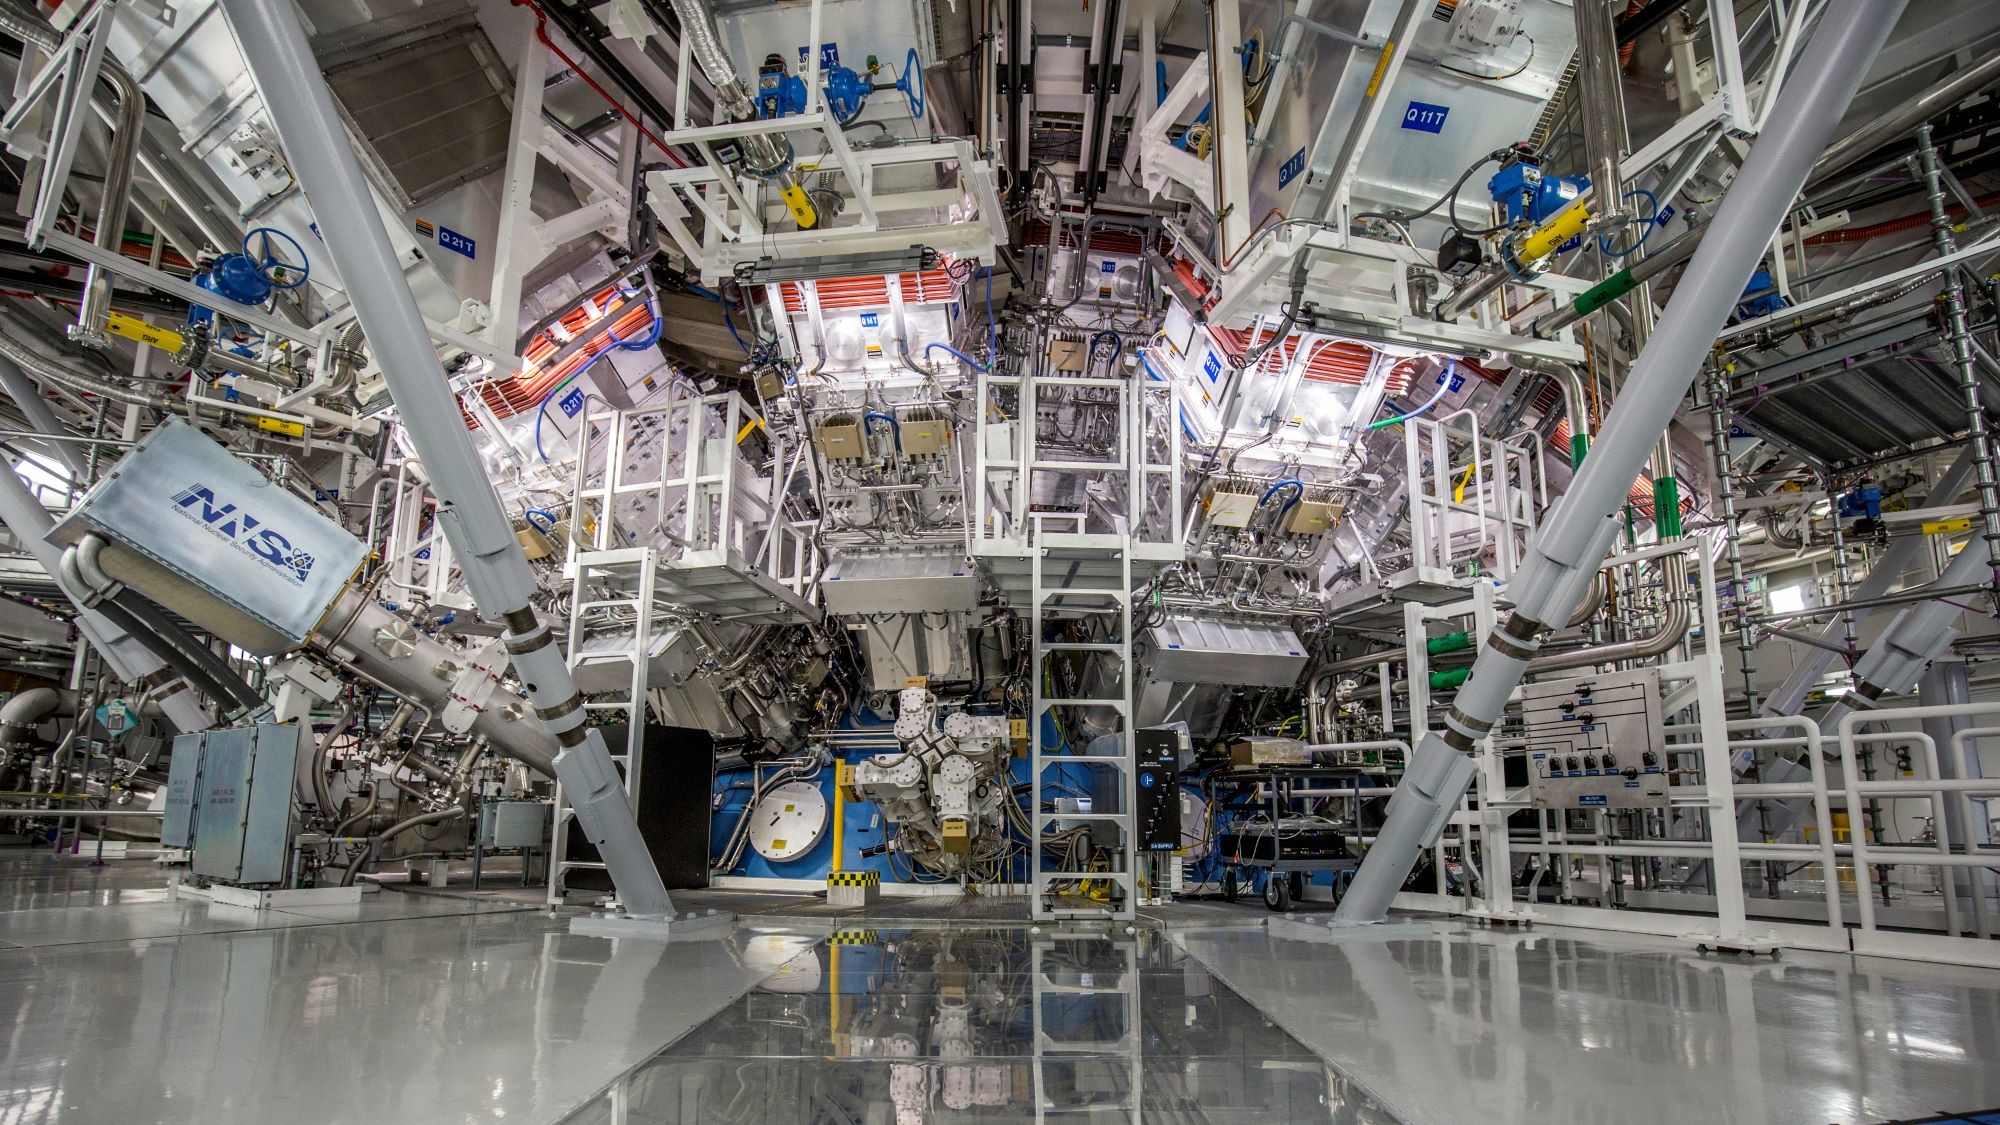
x,y
360,633
1565,557
38,366
36,410
1812,664
482,538
129,657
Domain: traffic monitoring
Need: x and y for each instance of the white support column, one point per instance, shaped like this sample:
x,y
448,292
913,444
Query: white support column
x,y
517,217
1229,152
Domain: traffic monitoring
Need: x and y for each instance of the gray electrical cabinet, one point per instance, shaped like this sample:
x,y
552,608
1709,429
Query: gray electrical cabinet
x,y
514,824
229,798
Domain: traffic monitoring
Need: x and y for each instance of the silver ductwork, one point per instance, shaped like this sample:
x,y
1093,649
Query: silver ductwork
x,y
766,156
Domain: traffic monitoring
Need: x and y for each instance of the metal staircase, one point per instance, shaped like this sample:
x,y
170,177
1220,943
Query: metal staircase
x,y
606,587
1084,578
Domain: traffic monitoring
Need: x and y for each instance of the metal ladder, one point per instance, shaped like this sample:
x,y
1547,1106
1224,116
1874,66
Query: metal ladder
x,y
1092,579
608,580
1079,1057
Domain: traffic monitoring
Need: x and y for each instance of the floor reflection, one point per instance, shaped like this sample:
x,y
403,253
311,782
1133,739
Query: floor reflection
x,y
915,1026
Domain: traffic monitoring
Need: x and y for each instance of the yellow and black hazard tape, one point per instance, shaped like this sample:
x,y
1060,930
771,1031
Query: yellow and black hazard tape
x,y
854,879
854,937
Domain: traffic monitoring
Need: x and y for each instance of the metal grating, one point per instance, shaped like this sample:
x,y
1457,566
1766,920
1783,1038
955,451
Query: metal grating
x,y
1867,411
433,109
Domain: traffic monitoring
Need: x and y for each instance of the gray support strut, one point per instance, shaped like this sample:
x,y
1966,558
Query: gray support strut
x,y
1565,556
294,91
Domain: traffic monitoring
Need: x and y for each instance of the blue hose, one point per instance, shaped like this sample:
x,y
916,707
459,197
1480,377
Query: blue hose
x,y
895,427
962,357
1652,224
530,515
1298,488
635,344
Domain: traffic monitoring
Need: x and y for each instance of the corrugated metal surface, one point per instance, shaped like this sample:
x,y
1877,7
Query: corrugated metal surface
x,y
1863,412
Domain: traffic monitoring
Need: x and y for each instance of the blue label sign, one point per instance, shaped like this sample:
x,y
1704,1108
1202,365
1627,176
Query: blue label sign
x,y
1593,800
1290,169
871,320
1665,216
1212,367
829,56
1425,117
457,243
572,403
1457,381
1107,267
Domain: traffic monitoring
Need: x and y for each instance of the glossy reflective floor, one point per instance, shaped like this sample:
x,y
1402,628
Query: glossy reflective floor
x,y
120,1004
995,1024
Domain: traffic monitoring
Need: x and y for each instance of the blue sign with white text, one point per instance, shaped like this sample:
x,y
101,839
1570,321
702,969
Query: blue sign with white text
x,y
572,403
457,243
871,320
1290,169
1425,117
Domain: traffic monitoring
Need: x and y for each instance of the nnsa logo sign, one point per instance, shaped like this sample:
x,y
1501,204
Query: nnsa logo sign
x,y
246,531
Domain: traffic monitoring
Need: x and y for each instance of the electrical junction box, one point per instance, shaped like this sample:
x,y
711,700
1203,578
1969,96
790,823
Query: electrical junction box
x,y
1208,650
1481,26
1596,741
912,583
1068,356
1230,508
923,433
229,799
1267,750
206,535
839,439
514,824
1312,517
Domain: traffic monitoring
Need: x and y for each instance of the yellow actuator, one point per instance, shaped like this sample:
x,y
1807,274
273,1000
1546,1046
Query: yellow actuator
x,y
1565,225
801,205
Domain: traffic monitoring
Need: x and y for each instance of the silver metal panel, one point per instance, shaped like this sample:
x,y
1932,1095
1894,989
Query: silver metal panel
x,y
514,824
183,776
212,520
1595,740
1205,650
900,584
243,813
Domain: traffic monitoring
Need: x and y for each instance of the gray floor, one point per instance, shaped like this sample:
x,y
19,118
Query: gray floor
x,y
121,1005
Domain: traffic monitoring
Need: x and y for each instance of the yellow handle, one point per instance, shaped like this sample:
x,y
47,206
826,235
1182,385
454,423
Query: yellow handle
x,y
801,205
132,328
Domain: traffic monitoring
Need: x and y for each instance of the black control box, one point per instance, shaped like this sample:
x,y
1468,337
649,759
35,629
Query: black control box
x,y
1161,752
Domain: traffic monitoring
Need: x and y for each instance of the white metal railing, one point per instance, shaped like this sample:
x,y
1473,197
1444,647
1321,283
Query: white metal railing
x,y
1143,460
671,477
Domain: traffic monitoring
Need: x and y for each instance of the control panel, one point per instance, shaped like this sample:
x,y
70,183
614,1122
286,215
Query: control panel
x,y
1161,751
1596,742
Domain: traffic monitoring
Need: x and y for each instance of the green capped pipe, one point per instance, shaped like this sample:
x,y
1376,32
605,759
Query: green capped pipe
x,y
1667,508
1450,642
1579,444
1450,679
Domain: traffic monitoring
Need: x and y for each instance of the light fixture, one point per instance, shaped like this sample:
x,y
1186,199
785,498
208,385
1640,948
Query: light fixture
x,y
767,270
